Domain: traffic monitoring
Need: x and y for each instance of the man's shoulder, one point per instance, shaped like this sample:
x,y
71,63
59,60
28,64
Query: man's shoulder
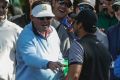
x,y
113,28
13,25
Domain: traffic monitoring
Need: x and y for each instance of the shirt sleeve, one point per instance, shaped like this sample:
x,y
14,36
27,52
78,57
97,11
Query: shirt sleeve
x,y
76,53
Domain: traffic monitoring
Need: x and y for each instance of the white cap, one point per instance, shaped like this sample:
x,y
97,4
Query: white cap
x,y
42,10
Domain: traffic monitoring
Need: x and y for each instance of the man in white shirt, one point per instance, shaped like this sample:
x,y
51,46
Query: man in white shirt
x,y
8,35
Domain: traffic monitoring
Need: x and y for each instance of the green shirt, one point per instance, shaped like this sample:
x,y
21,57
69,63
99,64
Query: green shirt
x,y
105,20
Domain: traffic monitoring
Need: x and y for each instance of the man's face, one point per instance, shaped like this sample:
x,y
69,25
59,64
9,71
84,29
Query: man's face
x,y
3,9
60,8
108,4
41,23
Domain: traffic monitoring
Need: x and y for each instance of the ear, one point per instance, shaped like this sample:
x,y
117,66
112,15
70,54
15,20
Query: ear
x,y
77,10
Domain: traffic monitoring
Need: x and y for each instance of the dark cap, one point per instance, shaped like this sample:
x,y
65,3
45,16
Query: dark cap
x,y
88,19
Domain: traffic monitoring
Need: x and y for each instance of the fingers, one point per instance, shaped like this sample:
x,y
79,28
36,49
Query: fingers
x,y
55,66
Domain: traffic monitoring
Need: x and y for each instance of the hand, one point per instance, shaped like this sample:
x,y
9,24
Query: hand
x,y
55,66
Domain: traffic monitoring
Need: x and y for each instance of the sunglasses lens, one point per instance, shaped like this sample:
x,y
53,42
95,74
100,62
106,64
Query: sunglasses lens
x,y
48,18
43,18
65,3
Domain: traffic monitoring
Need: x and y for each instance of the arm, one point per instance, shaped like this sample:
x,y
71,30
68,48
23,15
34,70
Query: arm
x,y
74,72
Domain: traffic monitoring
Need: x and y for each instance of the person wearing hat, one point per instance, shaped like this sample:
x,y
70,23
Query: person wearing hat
x,y
38,47
88,58
61,9
9,33
114,42
86,4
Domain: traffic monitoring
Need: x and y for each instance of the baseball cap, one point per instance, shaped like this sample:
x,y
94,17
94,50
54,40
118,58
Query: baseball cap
x,y
42,10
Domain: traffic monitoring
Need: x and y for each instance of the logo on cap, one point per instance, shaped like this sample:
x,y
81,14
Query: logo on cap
x,y
44,7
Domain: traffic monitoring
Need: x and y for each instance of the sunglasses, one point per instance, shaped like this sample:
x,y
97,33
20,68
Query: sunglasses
x,y
67,4
44,18
116,8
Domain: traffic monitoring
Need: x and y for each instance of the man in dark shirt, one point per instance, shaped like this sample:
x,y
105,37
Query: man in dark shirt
x,y
88,58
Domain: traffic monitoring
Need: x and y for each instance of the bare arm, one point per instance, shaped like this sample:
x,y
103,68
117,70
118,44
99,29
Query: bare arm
x,y
74,72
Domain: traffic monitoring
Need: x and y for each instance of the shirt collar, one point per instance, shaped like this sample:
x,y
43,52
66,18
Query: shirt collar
x,y
43,34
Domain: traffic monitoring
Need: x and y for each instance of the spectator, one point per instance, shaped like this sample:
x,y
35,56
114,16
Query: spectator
x,y
38,47
24,18
114,39
9,33
106,17
100,6
88,58
14,12
61,10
